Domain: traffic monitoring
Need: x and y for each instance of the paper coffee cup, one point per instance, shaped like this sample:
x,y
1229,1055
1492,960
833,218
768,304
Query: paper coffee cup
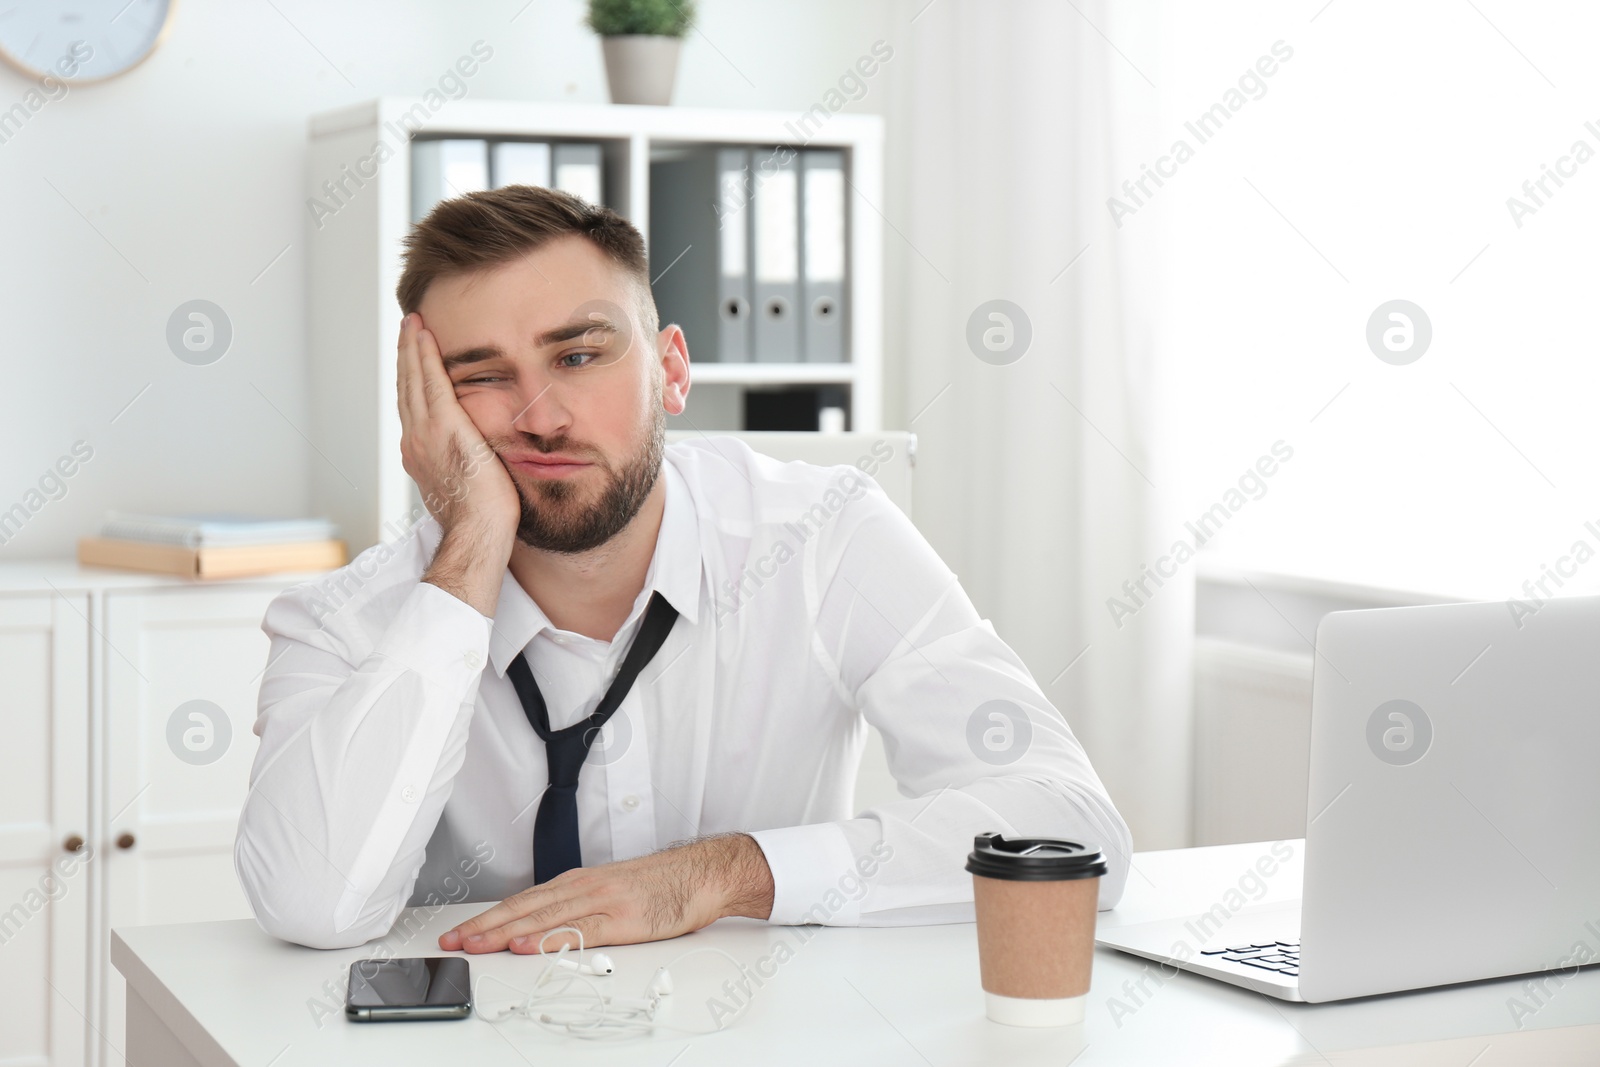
x,y
1036,899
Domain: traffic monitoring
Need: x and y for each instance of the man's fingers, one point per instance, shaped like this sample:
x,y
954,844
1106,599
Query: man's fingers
x,y
436,387
592,926
483,925
530,923
408,373
513,907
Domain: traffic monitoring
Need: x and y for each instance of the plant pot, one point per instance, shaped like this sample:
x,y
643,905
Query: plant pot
x,y
641,68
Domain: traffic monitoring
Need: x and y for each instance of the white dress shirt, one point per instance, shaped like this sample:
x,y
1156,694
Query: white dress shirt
x,y
397,766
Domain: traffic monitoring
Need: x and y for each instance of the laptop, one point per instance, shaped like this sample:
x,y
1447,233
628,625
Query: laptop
x,y
1452,816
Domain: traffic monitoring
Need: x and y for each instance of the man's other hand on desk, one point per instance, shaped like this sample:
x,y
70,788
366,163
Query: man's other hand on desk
x,y
665,894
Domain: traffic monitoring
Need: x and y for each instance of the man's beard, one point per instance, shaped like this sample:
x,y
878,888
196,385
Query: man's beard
x,y
556,521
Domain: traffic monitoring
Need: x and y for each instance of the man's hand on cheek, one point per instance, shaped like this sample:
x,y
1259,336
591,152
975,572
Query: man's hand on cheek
x,y
461,480
665,894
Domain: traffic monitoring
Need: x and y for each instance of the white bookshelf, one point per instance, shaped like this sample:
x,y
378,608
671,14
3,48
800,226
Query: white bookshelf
x,y
354,256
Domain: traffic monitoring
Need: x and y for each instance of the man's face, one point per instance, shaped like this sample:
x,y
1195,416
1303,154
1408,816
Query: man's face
x,y
549,360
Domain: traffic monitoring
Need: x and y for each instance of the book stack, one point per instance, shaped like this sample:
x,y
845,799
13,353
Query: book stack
x,y
213,545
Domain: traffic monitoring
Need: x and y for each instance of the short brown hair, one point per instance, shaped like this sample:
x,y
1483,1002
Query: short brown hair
x,y
487,229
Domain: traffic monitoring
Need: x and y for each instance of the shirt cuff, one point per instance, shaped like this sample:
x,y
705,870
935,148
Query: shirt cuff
x,y
814,876
439,636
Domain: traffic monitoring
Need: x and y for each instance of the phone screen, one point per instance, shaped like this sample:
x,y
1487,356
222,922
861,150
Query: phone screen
x,y
432,987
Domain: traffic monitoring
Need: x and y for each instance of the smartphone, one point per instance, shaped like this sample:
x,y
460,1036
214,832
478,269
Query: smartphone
x,y
430,987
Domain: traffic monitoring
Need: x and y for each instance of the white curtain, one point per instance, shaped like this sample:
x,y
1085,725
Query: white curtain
x,y
1044,483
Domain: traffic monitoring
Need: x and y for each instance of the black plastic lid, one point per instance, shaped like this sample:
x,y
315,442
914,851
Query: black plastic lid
x,y
1034,859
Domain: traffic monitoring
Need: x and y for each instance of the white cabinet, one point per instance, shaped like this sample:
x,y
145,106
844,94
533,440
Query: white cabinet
x,y
112,813
45,855
182,669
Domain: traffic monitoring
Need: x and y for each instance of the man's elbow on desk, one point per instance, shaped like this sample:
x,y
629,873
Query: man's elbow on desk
x,y
321,936
285,907
1119,865
318,932
1109,831
296,930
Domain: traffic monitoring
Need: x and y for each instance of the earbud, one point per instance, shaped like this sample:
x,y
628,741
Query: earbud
x,y
599,963
661,984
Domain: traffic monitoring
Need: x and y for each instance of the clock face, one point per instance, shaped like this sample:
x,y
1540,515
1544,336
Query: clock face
x,y
80,40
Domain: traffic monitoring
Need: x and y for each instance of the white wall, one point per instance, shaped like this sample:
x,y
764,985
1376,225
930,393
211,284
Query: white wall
x,y
1370,169
184,179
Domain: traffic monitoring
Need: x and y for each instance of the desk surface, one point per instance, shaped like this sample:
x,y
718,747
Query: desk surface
x,y
233,995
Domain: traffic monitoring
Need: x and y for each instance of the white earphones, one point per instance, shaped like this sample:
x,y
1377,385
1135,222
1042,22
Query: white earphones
x,y
599,963
661,984
592,1013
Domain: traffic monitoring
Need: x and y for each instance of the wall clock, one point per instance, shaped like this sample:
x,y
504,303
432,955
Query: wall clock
x,y
81,41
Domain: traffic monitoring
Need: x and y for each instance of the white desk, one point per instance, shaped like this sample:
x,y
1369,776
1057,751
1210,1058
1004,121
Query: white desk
x,y
225,993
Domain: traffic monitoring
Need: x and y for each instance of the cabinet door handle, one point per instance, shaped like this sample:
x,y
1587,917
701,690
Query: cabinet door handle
x,y
125,840
73,843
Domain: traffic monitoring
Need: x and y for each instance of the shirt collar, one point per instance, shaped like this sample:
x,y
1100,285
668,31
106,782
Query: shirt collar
x,y
675,569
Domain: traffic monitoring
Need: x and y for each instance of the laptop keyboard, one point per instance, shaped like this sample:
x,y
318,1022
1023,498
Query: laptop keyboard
x,y
1280,956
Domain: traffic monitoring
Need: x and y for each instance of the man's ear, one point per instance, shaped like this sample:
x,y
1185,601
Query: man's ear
x,y
672,352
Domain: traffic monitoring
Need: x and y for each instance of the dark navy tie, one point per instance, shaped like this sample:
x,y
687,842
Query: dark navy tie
x,y
555,827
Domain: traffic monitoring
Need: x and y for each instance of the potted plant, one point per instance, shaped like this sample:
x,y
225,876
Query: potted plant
x,y
640,39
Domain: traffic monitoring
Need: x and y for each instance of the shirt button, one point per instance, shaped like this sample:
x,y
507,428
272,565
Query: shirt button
x,y
630,803
474,661
409,794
